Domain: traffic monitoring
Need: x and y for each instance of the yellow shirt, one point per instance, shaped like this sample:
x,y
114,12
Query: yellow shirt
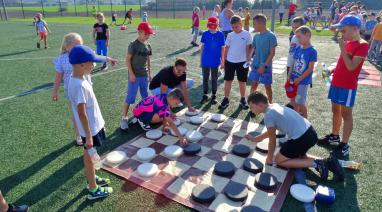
x,y
377,35
246,20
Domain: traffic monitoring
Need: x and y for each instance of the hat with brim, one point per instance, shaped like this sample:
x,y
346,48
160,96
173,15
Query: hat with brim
x,y
349,20
146,27
212,23
83,54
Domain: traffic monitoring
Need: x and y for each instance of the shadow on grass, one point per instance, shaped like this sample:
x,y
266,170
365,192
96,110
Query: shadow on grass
x,y
17,53
179,51
14,180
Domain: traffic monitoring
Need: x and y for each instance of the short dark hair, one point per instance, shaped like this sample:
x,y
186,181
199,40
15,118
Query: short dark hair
x,y
257,97
298,20
304,30
235,19
180,62
261,18
176,94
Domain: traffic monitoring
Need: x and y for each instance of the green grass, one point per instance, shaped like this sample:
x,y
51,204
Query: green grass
x,y
41,166
80,8
162,23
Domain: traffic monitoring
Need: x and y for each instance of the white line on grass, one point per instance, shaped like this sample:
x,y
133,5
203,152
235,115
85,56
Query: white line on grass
x,y
26,58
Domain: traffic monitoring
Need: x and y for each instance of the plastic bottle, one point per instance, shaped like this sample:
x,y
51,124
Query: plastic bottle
x,y
325,74
96,159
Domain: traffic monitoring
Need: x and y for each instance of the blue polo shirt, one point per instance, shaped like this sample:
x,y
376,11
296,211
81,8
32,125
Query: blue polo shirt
x,y
212,48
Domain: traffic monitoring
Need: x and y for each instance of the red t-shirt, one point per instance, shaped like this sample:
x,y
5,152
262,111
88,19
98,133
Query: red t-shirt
x,y
342,77
292,8
342,15
195,18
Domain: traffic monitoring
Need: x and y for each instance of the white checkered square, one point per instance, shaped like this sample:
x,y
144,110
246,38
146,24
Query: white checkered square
x,y
142,142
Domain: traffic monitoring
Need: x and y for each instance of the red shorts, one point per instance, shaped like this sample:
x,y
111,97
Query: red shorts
x,y
43,34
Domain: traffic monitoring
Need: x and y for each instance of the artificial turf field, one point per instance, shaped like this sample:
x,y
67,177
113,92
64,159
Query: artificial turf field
x,y
41,166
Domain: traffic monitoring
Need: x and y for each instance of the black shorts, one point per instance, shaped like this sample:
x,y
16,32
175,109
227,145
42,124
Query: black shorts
x,y
97,139
296,148
231,68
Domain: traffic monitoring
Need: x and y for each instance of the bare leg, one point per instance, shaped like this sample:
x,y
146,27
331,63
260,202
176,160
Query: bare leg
x,y
268,91
156,119
303,111
227,88
46,41
89,171
125,109
304,162
3,204
347,115
336,119
254,86
242,88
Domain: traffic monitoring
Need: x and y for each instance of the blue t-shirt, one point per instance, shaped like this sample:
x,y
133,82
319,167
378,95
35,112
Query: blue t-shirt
x,y
212,48
262,43
371,24
302,58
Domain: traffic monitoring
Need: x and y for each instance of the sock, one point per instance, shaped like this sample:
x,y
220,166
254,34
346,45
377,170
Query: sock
x,y
94,190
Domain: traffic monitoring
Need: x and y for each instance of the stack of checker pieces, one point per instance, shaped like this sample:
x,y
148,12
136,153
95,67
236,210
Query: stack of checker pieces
x,y
177,178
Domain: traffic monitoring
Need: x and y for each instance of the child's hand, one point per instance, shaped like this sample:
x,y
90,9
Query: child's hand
x,y
191,109
261,70
89,142
132,78
342,43
165,129
253,138
112,61
182,140
297,81
54,97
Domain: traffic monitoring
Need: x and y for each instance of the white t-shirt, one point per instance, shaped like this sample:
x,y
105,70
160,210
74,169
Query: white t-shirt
x,y
81,91
215,14
292,47
281,8
238,43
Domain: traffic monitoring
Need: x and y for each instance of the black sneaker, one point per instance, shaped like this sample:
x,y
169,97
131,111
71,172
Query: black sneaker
x,y
322,168
224,104
213,99
21,208
243,103
145,127
341,151
204,99
252,115
335,167
104,67
329,139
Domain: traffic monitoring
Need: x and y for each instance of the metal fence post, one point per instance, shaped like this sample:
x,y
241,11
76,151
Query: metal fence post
x,y
75,7
125,6
5,11
98,6
22,8
1,15
140,8
173,9
42,7
273,15
111,7
156,8
59,4
87,9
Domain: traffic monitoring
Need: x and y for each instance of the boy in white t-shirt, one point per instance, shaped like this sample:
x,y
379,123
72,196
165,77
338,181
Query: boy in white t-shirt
x,y
87,113
296,23
236,55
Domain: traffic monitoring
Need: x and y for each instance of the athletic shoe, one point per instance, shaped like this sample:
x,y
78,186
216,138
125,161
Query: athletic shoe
x,y
21,208
243,103
204,99
213,99
101,182
38,45
104,67
335,167
145,127
124,124
341,151
322,168
79,141
132,121
224,104
101,192
194,44
46,47
329,139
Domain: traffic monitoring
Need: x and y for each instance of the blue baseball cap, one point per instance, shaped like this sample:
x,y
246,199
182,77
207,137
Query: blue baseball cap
x,y
83,54
349,20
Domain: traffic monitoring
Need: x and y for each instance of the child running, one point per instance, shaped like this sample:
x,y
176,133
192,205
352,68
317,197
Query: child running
x,y
305,56
195,25
87,114
101,36
64,71
211,54
156,109
42,31
301,137
236,55
264,45
344,84
139,69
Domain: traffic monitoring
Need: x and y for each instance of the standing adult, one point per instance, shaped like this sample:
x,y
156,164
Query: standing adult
x,y
281,11
216,11
225,17
292,11
332,10
171,77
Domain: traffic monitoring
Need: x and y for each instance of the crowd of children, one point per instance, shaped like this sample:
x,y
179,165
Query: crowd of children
x,y
227,44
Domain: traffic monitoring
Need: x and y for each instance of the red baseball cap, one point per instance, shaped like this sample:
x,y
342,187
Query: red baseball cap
x,y
290,90
212,23
146,27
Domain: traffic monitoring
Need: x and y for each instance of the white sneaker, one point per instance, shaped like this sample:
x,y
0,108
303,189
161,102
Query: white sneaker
x,y
124,124
79,141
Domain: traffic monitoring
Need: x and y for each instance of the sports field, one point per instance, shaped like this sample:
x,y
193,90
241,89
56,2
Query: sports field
x,y
41,166
79,8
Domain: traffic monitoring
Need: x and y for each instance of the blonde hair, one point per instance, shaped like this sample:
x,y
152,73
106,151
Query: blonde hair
x,y
99,14
68,40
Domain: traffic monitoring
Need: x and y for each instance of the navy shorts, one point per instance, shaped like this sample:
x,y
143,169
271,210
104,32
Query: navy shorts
x,y
97,139
296,148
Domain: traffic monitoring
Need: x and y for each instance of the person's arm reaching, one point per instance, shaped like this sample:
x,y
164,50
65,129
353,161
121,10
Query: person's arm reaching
x,y
56,85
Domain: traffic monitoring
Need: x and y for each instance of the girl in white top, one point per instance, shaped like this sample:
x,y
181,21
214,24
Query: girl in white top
x,y
216,11
64,71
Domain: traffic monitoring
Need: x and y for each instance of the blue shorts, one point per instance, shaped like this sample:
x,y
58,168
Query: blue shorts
x,y
264,78
97,139
132,89
342,96
302,93
101,47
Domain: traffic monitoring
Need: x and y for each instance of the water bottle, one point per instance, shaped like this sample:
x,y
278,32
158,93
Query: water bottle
x,y
325,74
96,159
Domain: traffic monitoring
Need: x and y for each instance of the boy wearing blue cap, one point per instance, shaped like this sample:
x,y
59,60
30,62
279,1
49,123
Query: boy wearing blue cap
x,y
87,114
343,88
